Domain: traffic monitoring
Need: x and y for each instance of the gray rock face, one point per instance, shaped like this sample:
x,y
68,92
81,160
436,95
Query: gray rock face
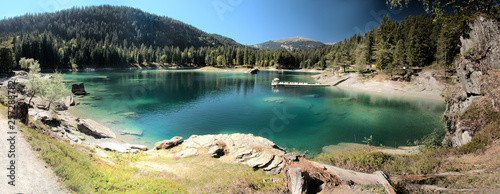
x,y
469,78
78,89
165,144
95,129
480,53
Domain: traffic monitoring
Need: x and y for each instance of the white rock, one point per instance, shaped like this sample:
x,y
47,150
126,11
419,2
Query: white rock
x,y
136,146
114,147
93,128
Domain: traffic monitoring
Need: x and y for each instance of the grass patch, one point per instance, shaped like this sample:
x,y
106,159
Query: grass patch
x,y
423,163
478,115
204,174
83,173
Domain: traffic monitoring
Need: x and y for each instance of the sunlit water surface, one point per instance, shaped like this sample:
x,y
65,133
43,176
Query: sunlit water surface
x,y
162,104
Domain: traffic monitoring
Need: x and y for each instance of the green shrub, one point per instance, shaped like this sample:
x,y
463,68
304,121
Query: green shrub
x,y
478,142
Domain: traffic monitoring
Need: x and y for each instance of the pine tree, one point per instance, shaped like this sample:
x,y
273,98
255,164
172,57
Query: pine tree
x,y
7,60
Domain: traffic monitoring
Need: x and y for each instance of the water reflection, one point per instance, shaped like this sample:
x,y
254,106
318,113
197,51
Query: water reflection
x,y
169,103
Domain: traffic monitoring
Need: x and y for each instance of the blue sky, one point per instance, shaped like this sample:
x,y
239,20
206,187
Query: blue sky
x,y
249,21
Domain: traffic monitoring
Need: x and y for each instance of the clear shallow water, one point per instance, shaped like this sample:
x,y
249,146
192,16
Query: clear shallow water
x,y
163,104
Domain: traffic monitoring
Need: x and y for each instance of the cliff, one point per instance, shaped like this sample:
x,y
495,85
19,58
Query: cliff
x,y
474,102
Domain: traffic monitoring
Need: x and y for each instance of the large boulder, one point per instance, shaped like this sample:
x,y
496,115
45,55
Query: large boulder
x,y
21,112
95,129
78,89
254,151
165,144
253,71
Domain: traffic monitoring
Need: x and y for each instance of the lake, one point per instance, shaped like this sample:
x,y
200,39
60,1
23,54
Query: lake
x,y
161,104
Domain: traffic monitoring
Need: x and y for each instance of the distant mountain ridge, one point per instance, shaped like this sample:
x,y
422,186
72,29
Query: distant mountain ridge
x,y
290,44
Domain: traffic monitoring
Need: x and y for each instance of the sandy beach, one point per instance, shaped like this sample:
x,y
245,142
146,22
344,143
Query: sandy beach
x,y
424,86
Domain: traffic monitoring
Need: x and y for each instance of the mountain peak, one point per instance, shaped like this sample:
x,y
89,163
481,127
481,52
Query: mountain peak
x,y
293,39
290,44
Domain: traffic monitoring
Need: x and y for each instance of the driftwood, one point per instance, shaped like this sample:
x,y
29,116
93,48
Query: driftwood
x,y
315,177
303,176
360,178
296,180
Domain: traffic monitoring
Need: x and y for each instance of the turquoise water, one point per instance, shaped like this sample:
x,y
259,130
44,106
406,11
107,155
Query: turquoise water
x,y
162,104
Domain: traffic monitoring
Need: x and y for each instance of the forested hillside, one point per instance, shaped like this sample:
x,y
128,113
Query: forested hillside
x,y
108,36
102,36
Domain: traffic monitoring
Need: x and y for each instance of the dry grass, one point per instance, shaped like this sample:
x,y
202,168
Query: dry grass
x,y
204,174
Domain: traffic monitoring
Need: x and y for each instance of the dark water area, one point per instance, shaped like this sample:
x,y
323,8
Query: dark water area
x,y
162,104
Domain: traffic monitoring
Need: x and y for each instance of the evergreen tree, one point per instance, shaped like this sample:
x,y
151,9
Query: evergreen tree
x,y
7,60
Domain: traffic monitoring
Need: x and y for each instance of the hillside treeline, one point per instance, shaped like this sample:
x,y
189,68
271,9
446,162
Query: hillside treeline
x,y
108,36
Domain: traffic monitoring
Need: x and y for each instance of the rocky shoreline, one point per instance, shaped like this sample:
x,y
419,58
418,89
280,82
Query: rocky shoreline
x,y
246,149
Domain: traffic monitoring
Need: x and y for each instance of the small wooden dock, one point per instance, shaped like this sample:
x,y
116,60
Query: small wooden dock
x,y
277,83
298,84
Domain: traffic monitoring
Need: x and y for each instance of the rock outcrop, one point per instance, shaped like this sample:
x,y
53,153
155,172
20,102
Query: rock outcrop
x,y
479,77
90,127
21,112
165,144
257,152
78,89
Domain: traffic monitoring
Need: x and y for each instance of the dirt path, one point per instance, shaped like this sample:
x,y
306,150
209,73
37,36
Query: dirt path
x,y
31,175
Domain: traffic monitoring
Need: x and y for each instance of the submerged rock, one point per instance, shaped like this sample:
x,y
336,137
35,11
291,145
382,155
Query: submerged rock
x,y
131,132
130,115
95,129
276,100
